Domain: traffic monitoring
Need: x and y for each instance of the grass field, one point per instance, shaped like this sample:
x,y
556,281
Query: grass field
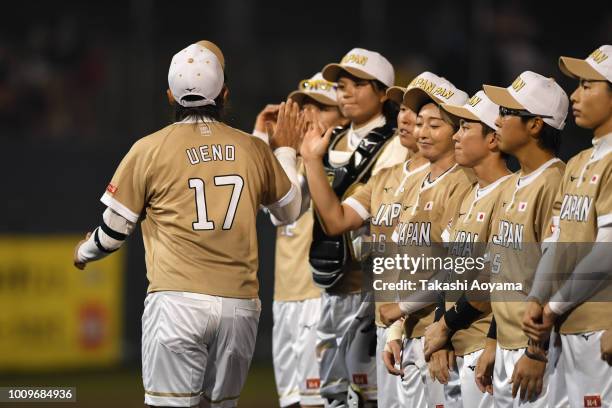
x,y
123,388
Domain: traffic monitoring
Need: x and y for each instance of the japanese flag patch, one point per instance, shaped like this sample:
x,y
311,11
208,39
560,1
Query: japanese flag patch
x,y
594,179
522,206
428,206
480,217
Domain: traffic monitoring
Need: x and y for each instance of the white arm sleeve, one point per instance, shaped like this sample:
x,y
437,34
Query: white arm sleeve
x,y
420,299
592,273
261,135
106,238
411,307
305,201
287,209
395,331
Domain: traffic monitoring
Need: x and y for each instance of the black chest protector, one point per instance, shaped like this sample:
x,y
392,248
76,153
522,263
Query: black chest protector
x,y
328,255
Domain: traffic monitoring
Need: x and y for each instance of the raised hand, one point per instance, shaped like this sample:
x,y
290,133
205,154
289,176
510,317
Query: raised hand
x,y
267,117
316,140
289,127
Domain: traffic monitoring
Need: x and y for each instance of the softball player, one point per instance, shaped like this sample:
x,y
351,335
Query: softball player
x,y
475,147
583,213
202,307
531,116
297,301
367,145
428,208
378,202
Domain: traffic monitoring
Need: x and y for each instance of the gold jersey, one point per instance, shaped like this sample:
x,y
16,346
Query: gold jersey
x,y
380,200
427,210
198,187
584,204
520,222
393,153
467,233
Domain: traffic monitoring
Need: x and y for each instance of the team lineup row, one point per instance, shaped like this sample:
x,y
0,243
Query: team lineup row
x,y
378,163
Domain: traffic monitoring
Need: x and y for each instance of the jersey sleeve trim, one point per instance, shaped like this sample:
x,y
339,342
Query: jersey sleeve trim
x,y
285,200
359,209
604,220
119,208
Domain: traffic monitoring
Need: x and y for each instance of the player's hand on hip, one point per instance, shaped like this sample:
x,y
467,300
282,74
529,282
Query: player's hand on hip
x,y
316,139
392,357
528,378
436,337
75,257
484,367
606,346
389,313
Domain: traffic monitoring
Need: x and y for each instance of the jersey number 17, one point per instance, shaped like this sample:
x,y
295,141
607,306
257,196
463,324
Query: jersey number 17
x,y
203,223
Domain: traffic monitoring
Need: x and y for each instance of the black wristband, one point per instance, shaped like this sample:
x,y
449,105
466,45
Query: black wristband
x,y
539,344
492,334
535,356
461,315
441,307
99,244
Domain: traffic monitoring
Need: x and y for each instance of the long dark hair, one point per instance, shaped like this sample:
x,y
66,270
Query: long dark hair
x,y
390,108
216,111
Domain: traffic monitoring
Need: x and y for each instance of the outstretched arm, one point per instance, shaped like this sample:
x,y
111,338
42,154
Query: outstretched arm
x,y
104,240
337,218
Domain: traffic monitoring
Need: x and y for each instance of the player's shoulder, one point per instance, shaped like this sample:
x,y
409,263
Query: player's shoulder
x,y
240,137
462,175
554,172
395,170
152,140
580,158
508,182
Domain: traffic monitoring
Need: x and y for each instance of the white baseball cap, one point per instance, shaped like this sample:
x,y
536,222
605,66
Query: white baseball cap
x,y
428,86
597,66
316,88
363,64
396,94
536,94
196,71
479,108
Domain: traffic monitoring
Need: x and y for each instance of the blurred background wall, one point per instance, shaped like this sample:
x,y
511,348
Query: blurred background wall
x,y
81,81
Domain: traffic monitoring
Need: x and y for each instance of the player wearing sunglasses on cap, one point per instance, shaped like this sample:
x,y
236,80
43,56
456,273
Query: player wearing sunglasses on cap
x,y
532,115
